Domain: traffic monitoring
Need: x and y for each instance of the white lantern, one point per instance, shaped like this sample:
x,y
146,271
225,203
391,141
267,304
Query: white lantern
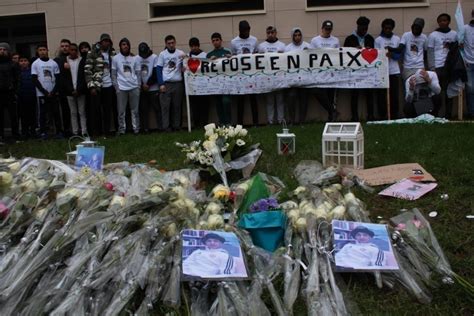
x,y
286,142
343,145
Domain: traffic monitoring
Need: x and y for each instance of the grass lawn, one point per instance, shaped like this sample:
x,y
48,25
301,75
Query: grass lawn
x,y
446,151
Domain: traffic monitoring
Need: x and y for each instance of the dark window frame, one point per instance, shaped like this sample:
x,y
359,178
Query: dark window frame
x,y
321,4
168,11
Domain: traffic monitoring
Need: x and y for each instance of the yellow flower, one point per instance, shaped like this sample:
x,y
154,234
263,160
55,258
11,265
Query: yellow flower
x,y
6,179
221,192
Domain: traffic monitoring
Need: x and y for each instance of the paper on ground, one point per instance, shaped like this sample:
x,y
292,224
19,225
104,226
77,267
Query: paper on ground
x,y
408,189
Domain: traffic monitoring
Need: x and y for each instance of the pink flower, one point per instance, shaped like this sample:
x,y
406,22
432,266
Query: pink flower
x,y
401,226
417,222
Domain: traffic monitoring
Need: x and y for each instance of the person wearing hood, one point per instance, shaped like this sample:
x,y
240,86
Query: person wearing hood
x,y
127,80
468,44
99,82
149,89
199,103
245,43
276,98
385,40
361,39
26,99
76,89
438,48
297,97
9,78
170,79
84,48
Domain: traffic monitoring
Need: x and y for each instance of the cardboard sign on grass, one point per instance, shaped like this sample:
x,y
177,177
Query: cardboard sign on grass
x,y
394,173
408,189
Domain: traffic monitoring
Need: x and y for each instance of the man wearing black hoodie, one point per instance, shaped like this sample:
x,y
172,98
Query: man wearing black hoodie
x,y
60,59
126,77
199,103
360,39
9,77
149,89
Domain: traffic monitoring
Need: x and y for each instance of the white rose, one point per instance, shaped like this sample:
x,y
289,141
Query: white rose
x,y
301,224
6,178
215,221
338,212
209,145
240,142
14,167
213,208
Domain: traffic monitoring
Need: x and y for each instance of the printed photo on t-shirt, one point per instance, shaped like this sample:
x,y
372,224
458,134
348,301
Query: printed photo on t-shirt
x,y
144,70
171,65
127,68
414,48
47,74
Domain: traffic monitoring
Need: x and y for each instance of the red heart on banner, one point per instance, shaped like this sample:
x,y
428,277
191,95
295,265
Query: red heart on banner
x,y
193,64
370,54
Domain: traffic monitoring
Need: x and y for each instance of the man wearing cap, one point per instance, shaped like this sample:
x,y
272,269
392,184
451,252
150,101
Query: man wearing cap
x,y
297,97
326,40
360,39
127,80
211,261
9,79
362,254
99,83
245,44
149,98
273,45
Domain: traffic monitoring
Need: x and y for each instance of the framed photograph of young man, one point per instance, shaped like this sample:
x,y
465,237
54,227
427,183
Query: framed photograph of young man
x,y
362,247
212,255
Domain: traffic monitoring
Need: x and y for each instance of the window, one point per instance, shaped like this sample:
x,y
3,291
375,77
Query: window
x,y
170,10
325,4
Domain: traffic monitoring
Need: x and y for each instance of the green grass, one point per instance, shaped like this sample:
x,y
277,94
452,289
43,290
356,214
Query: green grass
x,y
446,151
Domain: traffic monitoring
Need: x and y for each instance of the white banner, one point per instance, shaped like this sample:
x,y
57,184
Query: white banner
x,y
261,73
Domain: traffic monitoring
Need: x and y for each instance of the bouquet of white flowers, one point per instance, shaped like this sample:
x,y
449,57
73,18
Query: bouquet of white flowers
x,y
233,142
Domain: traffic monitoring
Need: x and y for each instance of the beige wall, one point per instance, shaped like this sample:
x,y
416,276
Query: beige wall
x,y
81,20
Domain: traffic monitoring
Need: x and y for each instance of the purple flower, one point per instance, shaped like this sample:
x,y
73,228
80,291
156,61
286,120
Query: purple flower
x,y
264,205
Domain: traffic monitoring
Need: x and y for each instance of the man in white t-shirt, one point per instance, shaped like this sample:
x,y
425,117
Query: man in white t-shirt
x,y
170,80
45,76
126,77
199,103
420,88
468,45
385,40
413,45
245,44
438,48
297,97
149,99
273,45
326,40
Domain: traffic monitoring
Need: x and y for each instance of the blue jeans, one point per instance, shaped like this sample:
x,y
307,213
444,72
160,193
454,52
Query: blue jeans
x,y
470,88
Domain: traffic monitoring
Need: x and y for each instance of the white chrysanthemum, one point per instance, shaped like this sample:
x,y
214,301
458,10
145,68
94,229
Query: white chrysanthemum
x,y
213,208
6,178
243,132
215,221
338,212
240,142
209,145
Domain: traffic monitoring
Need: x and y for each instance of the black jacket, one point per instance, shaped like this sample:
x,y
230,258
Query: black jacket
x,y
66,79
454,64
353,41
9,75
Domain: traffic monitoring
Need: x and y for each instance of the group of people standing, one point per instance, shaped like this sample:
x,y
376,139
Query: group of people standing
x,y
87,90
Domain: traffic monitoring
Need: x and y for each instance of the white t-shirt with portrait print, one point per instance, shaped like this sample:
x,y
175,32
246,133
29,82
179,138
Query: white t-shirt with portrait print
x,y
172,64
439,41
147,66
106,77
275,47
415,46
127,68
380,43
325,42
292,47
244,45
46,71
